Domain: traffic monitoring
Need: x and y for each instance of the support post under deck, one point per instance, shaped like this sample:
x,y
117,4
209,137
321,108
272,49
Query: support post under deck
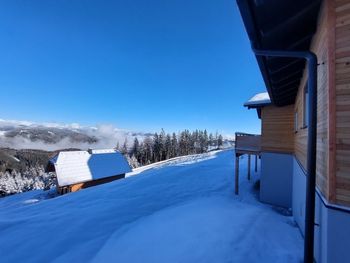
x,y
237,174
249,157
256,163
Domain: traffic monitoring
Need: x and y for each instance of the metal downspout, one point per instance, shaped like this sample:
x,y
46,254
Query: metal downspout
x,y
311,142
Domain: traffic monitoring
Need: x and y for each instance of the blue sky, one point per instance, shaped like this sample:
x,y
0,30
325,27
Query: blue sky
x,y
140,65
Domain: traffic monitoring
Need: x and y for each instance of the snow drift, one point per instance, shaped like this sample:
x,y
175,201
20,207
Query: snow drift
x,y
182,210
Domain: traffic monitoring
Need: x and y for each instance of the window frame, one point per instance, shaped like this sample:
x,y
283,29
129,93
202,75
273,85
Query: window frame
x,y
296,121
306,106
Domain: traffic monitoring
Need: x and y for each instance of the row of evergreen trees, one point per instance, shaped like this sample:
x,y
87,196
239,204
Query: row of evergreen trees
x,y
162,146
33,178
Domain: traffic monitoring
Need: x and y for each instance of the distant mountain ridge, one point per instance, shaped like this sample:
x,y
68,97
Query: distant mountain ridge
x,y
53,136
21,160
49,134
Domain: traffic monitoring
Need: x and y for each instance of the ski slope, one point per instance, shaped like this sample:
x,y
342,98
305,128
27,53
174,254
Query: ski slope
x,y
181,210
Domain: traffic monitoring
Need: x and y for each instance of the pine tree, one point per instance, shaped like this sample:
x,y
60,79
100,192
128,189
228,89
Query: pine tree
x,y
162,150
220,141
147,153
124,149
216,139
134,163
167,146
174,146
156,148
183,143
205,141
211,139
136,149
117,147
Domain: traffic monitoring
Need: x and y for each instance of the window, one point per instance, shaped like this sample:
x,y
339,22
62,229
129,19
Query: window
x,y
306,107
296,121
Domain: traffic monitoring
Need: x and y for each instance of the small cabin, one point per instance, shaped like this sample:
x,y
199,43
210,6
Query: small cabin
x,y
77,170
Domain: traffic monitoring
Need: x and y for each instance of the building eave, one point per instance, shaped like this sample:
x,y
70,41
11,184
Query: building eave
x,y
282,31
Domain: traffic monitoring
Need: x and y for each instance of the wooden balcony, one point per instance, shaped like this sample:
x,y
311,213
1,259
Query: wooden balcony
x,y
246,144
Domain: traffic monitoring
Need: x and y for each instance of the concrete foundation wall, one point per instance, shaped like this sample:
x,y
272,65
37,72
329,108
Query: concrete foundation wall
x,y
283,183
332,233
299,195
332,223
276,179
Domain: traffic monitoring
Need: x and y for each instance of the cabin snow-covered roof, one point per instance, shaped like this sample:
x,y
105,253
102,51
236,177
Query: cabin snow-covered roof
x,y
81,166
258,100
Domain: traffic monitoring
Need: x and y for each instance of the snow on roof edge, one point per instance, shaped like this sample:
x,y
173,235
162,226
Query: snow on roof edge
x,y
258,99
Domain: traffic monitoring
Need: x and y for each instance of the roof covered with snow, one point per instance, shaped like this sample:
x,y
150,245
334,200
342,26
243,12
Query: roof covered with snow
x,y
258,100
81,166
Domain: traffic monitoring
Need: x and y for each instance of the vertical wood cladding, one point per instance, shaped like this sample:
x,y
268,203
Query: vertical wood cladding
x,y
277,129
341,11
320,47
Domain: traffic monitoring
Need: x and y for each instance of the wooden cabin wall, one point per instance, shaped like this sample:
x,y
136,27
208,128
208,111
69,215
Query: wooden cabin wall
x,y
277,132
341,12
320,47
78,186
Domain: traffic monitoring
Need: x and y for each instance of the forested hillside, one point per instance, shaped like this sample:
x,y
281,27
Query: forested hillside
x,y
23,170
162,146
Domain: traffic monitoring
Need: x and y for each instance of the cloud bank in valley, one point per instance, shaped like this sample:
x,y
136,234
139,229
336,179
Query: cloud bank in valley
x,y
30,135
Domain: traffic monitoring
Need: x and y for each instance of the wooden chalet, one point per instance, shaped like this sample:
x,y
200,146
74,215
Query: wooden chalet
x,y
303,51
76,170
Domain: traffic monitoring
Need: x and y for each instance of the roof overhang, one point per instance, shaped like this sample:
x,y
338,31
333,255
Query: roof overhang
x,y
280,25
258,101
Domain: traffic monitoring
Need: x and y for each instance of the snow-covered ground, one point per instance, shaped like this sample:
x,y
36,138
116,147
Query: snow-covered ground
x,y
182,210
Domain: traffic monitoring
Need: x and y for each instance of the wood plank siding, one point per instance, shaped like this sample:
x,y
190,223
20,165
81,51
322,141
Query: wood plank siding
x,y
341,9
320,47
277,131
79,186
332,48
